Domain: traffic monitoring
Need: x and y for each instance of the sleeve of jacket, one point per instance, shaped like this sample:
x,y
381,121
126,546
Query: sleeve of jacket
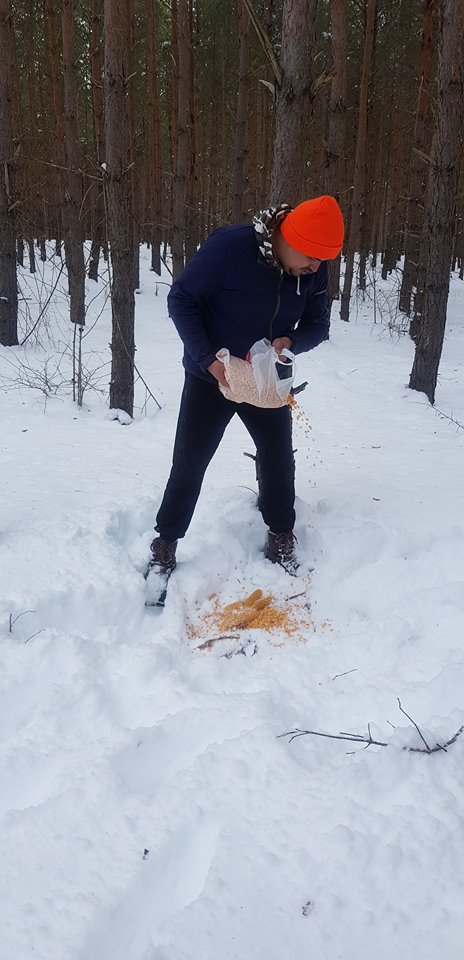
x,y
313,326
200,279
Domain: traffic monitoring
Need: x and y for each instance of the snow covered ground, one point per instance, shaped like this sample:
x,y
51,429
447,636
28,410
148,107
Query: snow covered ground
x,y
149,809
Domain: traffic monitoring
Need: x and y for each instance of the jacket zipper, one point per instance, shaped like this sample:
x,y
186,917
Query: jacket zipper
x,y
277,306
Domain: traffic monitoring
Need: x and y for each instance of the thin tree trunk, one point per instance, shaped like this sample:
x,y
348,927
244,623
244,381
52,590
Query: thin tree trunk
x,y
96,29
33,140
240,142
180,183
418,169
133,143
56,147
335,154
117,184
191,237
73,198
293,102
424,252
153,134
31,248
441,207
173,115
357,204
8,281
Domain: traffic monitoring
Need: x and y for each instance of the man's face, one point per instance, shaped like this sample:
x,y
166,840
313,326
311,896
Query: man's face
x,y
292,261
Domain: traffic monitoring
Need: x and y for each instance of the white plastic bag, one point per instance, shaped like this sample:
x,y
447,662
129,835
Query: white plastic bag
x,y
270,371
266,381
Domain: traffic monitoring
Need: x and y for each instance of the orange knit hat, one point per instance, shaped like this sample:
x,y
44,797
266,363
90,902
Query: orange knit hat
x,y
315,228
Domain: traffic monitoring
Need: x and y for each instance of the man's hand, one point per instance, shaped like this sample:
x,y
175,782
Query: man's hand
x,y
216,368
282,343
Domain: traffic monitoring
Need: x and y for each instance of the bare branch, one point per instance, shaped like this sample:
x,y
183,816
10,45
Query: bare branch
x,y
35,634
415,724
369,741
354,670
208,644
353,737
265,42
11,621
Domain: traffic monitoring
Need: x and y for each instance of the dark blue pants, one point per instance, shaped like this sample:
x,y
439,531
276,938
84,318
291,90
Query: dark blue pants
x,y
203,416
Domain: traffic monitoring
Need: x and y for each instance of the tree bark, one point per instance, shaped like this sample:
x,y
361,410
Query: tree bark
x,y
293,103
98,123
335,153
74,238
135,219
441,206
152,141
357,203
418,169
239,185
180,182
56,147
8,280
117,186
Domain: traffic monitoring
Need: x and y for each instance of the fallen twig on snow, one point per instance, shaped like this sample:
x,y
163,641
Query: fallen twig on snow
x,y
451,419
424,741
212,640
35,634
369,741
353,737
11,621
345,674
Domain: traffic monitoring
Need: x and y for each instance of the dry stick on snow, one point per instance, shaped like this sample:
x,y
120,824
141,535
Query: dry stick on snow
x,y
438,746
224,636
357,738
451,419
353,737
424,741
345,674
295,595
11,621
35,634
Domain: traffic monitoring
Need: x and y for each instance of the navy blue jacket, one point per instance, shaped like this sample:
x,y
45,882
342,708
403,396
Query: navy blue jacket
x,y
230,296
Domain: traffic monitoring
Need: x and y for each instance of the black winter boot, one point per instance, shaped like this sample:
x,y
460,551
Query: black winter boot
x,y
281,549
160,566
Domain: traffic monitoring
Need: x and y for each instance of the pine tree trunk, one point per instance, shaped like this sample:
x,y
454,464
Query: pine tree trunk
x,y
117,185
191,235
135,219
31,248
8,281
73,197
33,141
98,123
180,182
152,143
357,203
335,154
56,148
293,102
393,241
173,115
418,169
240,141
441,207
